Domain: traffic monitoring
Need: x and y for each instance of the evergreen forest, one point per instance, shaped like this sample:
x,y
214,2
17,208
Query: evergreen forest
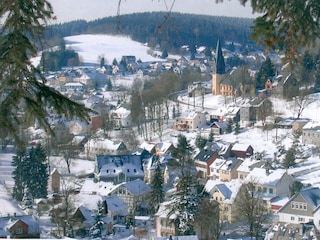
x,y
163,31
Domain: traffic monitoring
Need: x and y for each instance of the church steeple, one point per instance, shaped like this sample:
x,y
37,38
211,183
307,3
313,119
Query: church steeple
x,y
219,71
220,64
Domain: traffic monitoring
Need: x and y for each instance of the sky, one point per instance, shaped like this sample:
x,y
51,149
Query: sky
x,y
68,10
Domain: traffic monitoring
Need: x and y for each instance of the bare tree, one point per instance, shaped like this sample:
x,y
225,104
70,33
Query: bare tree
x,y
250,208
301,101
61,214
207,221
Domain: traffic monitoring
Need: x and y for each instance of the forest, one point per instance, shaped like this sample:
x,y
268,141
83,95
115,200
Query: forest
x,y
158,29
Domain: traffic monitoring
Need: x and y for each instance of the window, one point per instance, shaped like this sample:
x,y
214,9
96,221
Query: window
x,y
264,189
19,230
271,190
292,218
301,219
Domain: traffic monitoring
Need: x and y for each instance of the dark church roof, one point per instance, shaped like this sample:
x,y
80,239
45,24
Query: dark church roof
x,y
220,64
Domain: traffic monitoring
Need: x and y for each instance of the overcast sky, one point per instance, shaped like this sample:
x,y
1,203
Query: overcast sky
x,y
68,10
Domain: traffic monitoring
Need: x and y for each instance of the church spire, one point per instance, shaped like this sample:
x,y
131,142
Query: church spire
x,y
220,65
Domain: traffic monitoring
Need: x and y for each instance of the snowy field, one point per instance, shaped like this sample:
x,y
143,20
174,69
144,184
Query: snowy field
x,y
91,47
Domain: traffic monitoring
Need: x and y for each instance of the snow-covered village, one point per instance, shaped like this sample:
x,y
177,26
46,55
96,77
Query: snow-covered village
x,y
176,147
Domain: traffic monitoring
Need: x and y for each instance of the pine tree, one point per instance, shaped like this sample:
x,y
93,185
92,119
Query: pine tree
x,y
186,201
237,128
266,71
229,126
25,96
96,230
31,172
200,141
27,200
211,136
289,159
157,192
17,162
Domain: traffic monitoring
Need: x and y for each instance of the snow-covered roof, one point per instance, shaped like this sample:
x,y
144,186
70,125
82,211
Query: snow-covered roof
x,y
113,170
189,114
240,147
313,125
261,176
91,187
104,144
228,189
137,187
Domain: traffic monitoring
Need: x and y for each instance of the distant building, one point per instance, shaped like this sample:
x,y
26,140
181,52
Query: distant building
x,y
311,133
135,194
190,120
219,71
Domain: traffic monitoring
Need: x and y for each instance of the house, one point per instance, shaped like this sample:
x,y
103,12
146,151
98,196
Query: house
x,y
285,86
135,194
228,170
121,117
203,160
118,168
271,183
302,207
219,128
247,165
26,226
242,150
190,120
101,146
225,169
311,133
164,223
73,88
93,79
84,215
253,110
224,193
149,167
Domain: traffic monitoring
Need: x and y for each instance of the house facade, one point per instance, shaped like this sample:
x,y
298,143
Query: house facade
x,y
135,194
16,227
95,147
190,120
241,150
311,133
301,208
224,193
118,168
203,160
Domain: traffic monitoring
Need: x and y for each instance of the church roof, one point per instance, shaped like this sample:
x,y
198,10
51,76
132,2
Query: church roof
x,y
220,64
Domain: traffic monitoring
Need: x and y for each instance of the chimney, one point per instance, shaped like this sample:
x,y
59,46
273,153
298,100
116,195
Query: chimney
x,y
267,171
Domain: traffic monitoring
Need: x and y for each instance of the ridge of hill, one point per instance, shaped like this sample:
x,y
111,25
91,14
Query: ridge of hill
x,y
178,29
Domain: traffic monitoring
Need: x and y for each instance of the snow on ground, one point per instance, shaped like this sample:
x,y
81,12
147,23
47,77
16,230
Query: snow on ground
x,y
91,47
79,167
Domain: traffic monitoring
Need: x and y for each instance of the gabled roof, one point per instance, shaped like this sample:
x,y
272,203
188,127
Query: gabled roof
x,y
224,190
228,189
204,155
310,195
220,64
113,170
263,178
137,187
240,147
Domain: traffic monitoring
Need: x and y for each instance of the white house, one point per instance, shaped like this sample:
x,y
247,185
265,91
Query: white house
x,y
311,133
190,120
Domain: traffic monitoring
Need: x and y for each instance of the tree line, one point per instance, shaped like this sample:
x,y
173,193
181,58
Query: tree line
x,y
180,29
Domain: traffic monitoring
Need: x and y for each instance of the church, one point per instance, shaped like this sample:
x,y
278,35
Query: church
x,y
236,82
